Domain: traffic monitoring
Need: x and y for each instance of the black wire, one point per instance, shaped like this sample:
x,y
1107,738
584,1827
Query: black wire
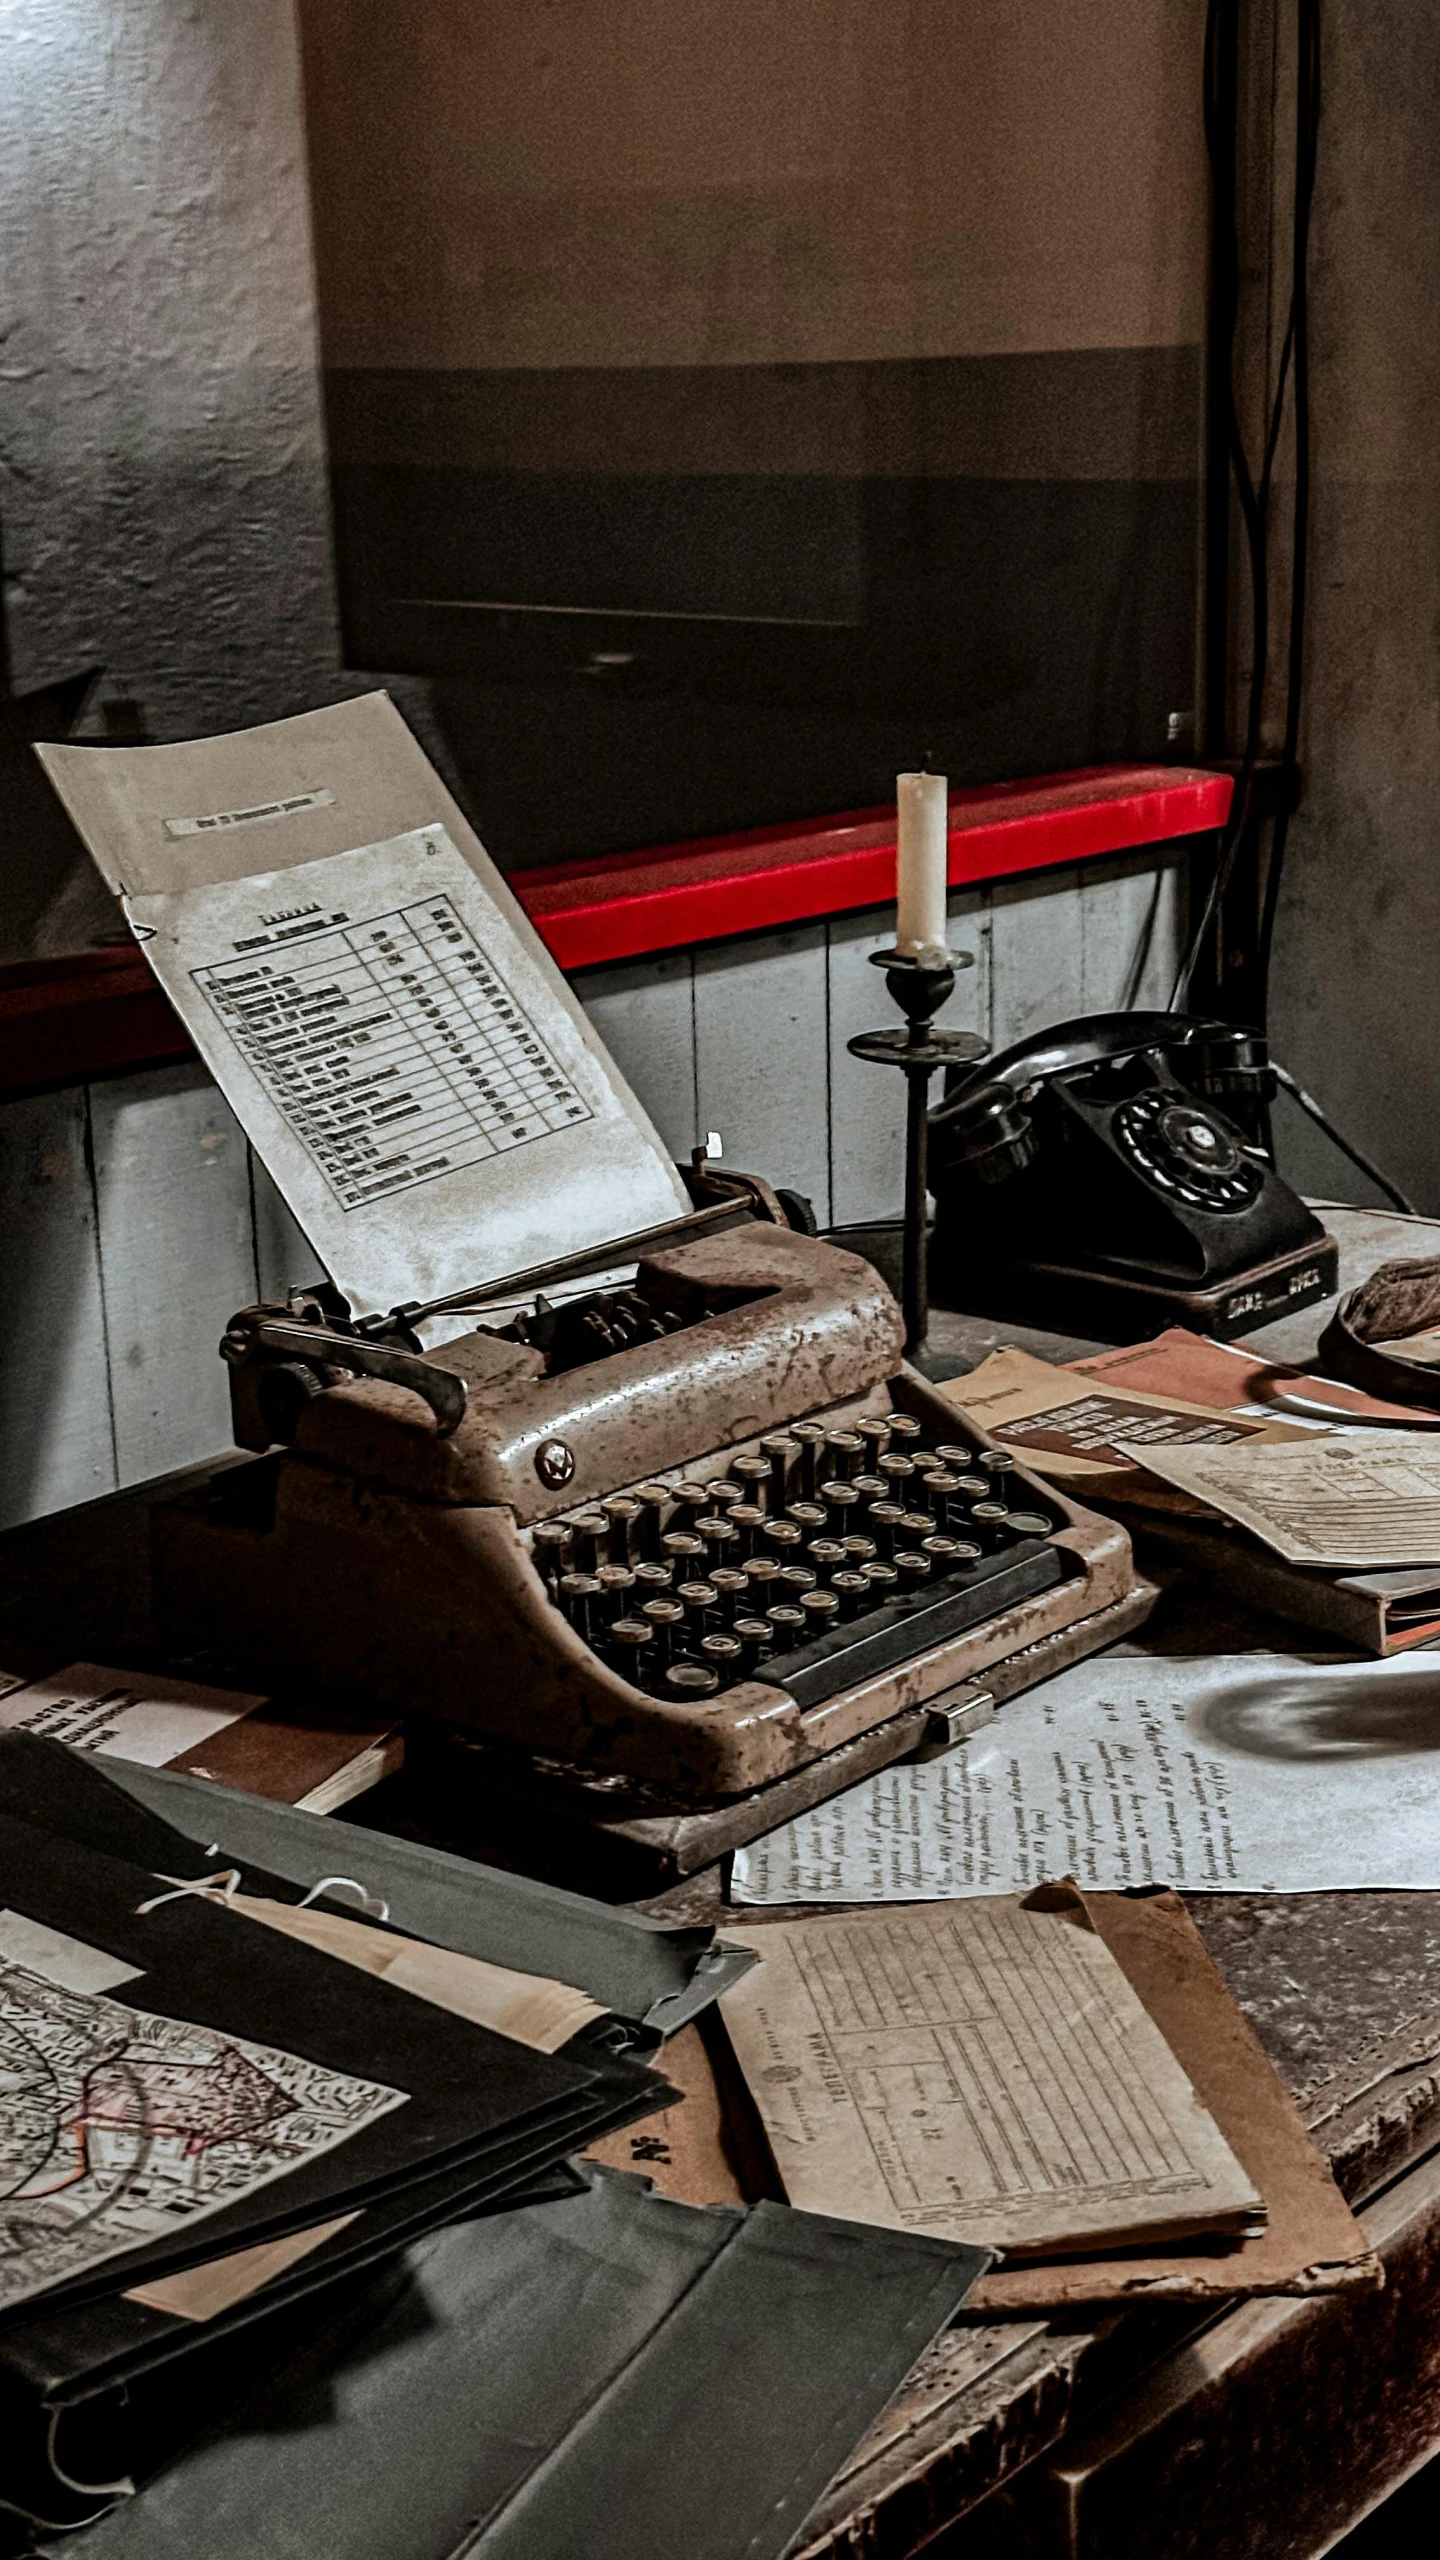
x,y
1373,1173
1220,109
1307,119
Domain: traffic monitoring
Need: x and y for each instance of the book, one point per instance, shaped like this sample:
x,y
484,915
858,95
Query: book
x,y
314,1761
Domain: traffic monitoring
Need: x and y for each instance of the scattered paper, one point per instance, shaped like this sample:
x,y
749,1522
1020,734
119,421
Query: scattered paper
x,y
1232,1377
119,2126
1238,1773
987,2075
60,1958
124,1715
1362,1499
528,2007
202,2293
382,1017
1092,1436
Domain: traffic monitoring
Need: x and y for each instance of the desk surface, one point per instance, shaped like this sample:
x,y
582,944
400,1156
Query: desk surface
x,y
1266,2429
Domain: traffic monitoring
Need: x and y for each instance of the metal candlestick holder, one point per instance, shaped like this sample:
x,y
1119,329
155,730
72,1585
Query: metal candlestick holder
x,y
919,987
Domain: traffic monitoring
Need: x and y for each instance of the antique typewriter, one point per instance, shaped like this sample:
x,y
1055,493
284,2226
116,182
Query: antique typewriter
x,y
674,1556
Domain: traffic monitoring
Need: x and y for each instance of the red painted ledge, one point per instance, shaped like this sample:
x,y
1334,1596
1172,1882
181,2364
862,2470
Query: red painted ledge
x,y
95,1011
667,900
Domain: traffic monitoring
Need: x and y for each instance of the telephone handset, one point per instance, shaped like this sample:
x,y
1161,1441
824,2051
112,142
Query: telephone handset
x,y
1110,1172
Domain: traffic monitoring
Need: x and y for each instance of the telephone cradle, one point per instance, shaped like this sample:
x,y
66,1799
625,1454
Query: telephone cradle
x,y
701,1537
1111,1176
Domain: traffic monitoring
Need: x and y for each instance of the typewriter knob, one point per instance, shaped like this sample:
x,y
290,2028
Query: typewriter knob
x,y
554,1464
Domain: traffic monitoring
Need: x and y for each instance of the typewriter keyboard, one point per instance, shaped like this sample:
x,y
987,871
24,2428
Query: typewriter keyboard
x,y
820,1558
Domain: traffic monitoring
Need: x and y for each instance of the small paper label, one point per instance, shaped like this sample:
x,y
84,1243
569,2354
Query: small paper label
x,y
126,1715
261,815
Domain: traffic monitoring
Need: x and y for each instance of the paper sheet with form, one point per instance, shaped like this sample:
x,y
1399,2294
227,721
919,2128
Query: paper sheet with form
x,y
383,1019
1238,1773
985,2075
1365,1499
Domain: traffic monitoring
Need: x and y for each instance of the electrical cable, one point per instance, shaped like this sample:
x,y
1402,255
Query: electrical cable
x,y
1220,109
1371,1171
1307,118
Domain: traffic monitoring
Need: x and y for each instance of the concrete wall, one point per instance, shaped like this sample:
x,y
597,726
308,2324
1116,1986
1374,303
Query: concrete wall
x,y
1355,1013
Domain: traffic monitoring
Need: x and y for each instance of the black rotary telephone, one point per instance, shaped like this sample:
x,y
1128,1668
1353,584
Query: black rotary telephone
x,y
1110,1175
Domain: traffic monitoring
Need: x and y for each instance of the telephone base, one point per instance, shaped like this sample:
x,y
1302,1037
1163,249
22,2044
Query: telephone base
x,y
1130,1305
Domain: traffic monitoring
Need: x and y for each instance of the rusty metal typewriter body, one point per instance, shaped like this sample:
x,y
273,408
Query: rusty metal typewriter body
x,y
699,1532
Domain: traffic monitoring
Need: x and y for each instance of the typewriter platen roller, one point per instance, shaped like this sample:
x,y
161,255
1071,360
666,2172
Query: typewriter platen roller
x,y
702,1527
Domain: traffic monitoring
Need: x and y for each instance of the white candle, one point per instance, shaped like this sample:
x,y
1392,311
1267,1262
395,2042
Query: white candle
x,y
921,863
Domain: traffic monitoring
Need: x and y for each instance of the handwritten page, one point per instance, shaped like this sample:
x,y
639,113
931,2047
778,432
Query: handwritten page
x,y
984,2074
1238,1773
1362,1499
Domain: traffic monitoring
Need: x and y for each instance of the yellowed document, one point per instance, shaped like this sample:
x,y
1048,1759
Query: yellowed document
x,y
1364,1499
526,2006
984,2072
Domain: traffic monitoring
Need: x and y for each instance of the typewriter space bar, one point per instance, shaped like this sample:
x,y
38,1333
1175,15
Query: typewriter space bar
x,y
886,1637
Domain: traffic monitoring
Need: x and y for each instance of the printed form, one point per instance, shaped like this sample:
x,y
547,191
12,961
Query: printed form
x,y
985,2074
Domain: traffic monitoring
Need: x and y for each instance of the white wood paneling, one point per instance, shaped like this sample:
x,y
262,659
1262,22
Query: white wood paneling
x,y
645,1014
177,1257
1036,941
1128,947
867,1104
56,1441
285,1259
761,1057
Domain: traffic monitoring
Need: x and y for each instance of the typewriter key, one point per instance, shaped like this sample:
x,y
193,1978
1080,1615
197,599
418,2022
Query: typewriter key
x,y
954,1456
842,1503
912,1567
967,1551
616,1584
853,1593
762,1573
691,1680
904,1429
730,1586
876,1436
654,1578
683,1548
747,1520
811,1436
915,1527
723,1653
667,1618
579,1593
882,1579
724,1491
896,1469
550,1542
591,1532
882,1520
690,1500
722,1538
973,1488
942,1551
858,1551
821,1611
844,1455
654,1504
786,1621
781,1539
827,1556
871,1488
623,1513
809,1517
627,1641
698,1600
783,1454
795,1578
755,1637
997,1462
754,1475
942,1492
1032,1524
992,1521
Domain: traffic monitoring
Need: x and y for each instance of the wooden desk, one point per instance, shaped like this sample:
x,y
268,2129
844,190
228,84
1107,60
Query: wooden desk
x,y
1252,2434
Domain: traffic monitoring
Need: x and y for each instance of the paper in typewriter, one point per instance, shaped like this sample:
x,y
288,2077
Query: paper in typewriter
x,y
383,1019
984,2074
